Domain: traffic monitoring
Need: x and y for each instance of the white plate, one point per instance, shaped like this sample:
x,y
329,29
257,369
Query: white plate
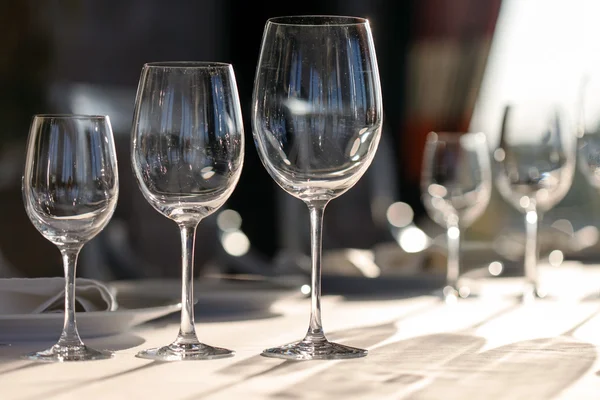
x,y
133,310
217,299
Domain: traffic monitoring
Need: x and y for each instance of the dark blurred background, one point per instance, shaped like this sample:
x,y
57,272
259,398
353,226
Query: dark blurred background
x,y
438,72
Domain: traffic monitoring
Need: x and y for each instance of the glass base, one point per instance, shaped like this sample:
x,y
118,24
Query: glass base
x,y
58,353
185,352
314,350
533,293
450,294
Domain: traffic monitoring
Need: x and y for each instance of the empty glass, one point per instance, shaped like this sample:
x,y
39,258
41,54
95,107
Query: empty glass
x,y
456,185
589,130
535,163
70,190
187,155
317,117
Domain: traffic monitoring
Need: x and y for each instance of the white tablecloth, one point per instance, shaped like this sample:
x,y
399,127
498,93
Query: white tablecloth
x,y
419,348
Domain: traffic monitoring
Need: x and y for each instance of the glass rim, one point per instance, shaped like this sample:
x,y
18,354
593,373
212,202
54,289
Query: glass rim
x,y
313,20
70,116
187,64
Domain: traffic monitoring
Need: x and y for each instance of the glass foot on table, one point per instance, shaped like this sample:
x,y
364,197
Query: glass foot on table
x,y
58,353
185,352
314,350
532,294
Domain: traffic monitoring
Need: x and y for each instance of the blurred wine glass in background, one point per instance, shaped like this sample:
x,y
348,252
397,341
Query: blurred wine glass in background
x,y
456,186
588,129
535,162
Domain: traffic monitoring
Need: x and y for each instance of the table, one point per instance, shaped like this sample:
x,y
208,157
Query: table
x,y
420,348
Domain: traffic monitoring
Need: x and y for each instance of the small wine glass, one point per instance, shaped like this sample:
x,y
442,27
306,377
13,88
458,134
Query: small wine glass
x,y
456,186
317,117
70,191
535,162
187,156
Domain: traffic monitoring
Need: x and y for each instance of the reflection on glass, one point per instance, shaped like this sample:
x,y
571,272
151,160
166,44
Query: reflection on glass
x,y
70,190
317,118
456,185
535,163
187,155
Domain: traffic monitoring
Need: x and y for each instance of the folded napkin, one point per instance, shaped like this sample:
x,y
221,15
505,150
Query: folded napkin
x,y
47,295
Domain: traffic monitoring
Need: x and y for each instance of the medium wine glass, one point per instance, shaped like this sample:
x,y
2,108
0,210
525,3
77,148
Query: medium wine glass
x,y
187,156
456,186
317,116
70,190
535,164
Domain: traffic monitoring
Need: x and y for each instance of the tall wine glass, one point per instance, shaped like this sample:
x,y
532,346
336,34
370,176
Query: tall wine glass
x,y
70,190
187,155
535,164
317,117
456,186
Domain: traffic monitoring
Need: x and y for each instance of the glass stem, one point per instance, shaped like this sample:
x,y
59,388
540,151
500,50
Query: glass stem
x,y
453,267
70,336
187,330
531,248
316,209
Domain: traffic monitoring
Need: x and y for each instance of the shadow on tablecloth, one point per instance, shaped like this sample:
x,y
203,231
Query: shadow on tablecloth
x,y
445,365
450,366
